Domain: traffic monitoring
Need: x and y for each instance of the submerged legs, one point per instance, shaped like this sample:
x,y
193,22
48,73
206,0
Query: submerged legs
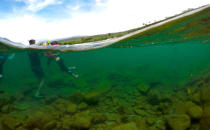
x,y
37,94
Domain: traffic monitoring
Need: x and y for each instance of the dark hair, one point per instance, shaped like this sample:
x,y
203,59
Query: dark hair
x,y
54,42
32,41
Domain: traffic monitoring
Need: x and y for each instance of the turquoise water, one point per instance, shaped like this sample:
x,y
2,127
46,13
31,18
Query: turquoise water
x,y
115,85
171,65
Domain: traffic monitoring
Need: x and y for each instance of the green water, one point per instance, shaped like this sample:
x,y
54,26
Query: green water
x,y
168,65
111,83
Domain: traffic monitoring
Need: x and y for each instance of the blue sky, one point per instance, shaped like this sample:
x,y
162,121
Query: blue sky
x,y
49,9
21,20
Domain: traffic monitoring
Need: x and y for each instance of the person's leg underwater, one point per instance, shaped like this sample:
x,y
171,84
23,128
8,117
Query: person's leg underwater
x,y
36,68
2,61
64,68
40,75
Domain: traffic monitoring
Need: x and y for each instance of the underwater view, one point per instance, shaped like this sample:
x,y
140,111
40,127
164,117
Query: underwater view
x,y
158,79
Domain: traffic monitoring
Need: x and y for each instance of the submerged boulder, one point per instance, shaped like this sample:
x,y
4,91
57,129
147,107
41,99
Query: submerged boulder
x,y
82,106
92,98
81,120
196,98
205,95
178,122
140,112
71,108
140,122
128,126
205,120
38,120
11,122
143,88
195,112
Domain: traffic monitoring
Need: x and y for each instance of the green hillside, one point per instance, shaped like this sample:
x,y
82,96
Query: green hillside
x,y
191,27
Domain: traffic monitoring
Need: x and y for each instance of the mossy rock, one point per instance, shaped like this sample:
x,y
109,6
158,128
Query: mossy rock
x,y
21,128
71,108
11,122
196,98
143,88
140,112
178,122
205,120
81,121
151,121
128,126
113,117
205,95
92,98
66,122
98,118
38,120
140,122
195,112
82,106
50,125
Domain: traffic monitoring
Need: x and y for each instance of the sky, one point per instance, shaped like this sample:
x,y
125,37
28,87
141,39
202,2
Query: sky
x,y
22,20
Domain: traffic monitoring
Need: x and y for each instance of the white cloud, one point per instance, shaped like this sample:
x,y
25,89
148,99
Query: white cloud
x,y
117,15
74,8
100,3
36,5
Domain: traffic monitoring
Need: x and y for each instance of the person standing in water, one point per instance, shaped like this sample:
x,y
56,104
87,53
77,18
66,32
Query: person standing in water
x,y
54,56
36,68
3,58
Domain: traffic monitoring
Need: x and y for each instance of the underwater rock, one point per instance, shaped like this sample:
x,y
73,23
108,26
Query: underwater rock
x,y
140,112
98,118
150,121
195,127
66,122
6,109
205,94
195,112
92,98
77,97
113,117
6,99
180,108
81,120
128,126
38,120
196,98
11,122
157,96
163,108
205,120
21,128
51,125
178,122
160,124
71,108
143,88
123,109
140,122
82,106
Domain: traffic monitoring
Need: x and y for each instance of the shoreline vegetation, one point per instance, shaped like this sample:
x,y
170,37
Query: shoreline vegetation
x,y
100,37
